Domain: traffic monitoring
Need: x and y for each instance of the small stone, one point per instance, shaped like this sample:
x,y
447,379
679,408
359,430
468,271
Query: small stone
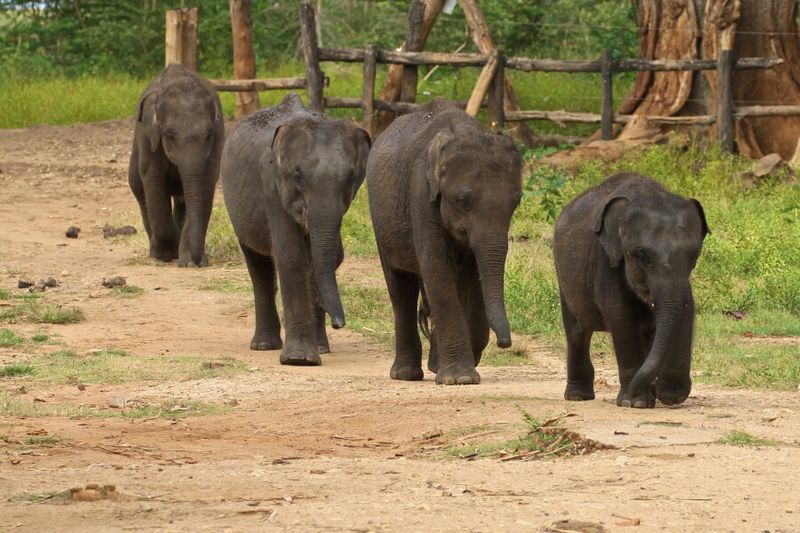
x,y
95,294
233,402
24,283
72,232
118,402
81,387
36,288
116,281
48,282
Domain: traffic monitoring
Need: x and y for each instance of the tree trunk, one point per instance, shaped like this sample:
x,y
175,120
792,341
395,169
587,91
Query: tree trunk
x,y
392,86
244,57
482,36
688,29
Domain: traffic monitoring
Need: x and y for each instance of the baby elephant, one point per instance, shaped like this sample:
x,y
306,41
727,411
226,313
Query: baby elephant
x,y
174,163
442,190
624,251
288,176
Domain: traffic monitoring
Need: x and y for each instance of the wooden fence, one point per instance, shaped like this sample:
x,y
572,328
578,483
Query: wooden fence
x,y
492,78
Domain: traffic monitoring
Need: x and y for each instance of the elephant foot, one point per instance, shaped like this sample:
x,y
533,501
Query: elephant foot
x,y
672,393
188,263
433,363
261,343
643,401
161,254
324,348
455,376
300,359
577,393
406,372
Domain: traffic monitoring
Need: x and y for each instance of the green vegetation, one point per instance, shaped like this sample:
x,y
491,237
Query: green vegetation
x,y
540,439
40,337
42,441
5,294
8,338
494,356
15,370
742,438
127,291
32,309
10,406
226,285
117,366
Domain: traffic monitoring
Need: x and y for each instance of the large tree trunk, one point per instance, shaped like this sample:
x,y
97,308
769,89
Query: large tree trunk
x,y
688,29
244,57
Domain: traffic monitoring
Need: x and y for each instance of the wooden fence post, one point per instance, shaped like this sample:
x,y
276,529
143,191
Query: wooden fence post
x,y
497,97
308,28
180,38
408,87
368,105
725,123
607,109
244,57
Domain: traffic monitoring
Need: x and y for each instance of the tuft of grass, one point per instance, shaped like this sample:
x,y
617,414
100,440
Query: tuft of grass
x,y
225,285
742,438
34,310
127,291
5,294
16,370
117,366
222,246
8,338
494,356
369,312
40,337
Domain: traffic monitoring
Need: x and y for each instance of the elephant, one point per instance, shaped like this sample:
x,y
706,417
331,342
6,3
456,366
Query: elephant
x,y
174,165
289,175
624,251
442,190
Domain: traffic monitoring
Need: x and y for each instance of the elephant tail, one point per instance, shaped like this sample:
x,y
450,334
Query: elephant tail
x,y
424,314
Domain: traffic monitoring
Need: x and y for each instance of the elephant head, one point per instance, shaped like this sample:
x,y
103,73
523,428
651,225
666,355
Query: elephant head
x,y
476,179
320,166
184,119
657,240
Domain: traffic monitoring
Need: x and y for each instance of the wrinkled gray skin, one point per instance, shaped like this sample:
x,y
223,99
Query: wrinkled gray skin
x,y
442,191
288,175
174,165
624,251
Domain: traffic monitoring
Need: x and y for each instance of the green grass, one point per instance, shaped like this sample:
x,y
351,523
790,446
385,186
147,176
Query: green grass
x,y
34,310
494,356
8,338
127,291
41,441
5,294
117,366
369,312
40,337
226,285
16,370
10,406
742,438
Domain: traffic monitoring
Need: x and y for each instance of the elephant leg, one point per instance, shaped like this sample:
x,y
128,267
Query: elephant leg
x,y
580,371
323,345
164,233
196,223
630,352
404,292
135,182
471,297
440,276
293,259
675,382
268,325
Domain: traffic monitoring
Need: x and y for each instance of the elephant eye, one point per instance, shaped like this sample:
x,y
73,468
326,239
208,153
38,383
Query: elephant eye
x,y
170,133
641,256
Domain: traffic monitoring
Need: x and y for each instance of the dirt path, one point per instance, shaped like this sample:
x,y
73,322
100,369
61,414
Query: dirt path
x,y
334,448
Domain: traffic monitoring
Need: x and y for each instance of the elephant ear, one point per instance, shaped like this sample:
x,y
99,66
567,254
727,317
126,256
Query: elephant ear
x,y
146,115
435,163
607,228
702,214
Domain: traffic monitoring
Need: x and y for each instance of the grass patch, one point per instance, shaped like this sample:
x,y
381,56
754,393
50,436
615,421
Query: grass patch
x,y
494,356
41,441
127,291
742,438
117,366
540,439
16,370
10,406
225,285
8,338
40,337
369,312
34,310
5,294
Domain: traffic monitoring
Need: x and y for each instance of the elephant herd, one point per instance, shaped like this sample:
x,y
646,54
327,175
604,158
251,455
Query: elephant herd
x,y
442,191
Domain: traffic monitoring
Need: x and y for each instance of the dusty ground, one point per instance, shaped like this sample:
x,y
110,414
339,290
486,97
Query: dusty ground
x,y
339,447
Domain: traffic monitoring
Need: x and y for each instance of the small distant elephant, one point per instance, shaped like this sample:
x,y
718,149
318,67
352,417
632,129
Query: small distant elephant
x,y
624,251
289,175
442,191
174,164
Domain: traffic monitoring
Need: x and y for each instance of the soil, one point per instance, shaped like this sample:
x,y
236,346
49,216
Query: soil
x,y
339,447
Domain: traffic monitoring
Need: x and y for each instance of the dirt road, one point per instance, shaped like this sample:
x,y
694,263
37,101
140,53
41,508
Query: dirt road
x,y
335,448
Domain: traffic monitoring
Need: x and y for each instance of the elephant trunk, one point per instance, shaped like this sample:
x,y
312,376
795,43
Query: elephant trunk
x,y
669,310
324,238
490,256
198,210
